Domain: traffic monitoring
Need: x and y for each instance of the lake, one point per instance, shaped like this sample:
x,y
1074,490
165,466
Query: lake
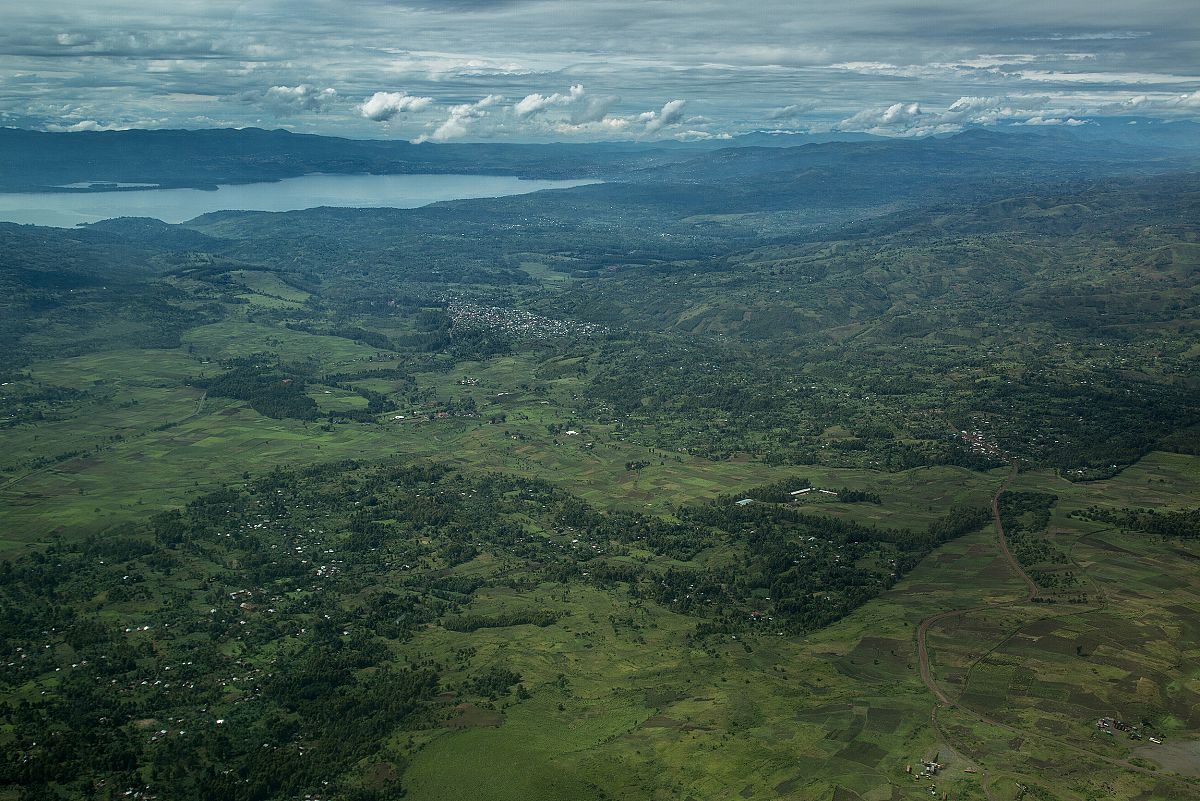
x,y
65,209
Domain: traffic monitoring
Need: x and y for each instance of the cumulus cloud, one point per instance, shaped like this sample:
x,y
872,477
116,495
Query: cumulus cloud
x,y
911,119
584,109
976,110
1166,105
701,136
1070,121
537,103
290,99
789,112
670,114
594,109
121,60
605,126
383,106
461,120
594,118
897,117
84,125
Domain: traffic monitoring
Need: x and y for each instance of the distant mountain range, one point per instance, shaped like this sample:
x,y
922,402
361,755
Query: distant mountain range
x,y
40,161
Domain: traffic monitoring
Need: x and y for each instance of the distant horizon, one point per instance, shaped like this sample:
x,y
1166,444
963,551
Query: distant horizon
x,y
768,132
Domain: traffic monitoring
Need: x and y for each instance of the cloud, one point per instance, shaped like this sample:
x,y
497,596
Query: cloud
x,y
973,110
594,109
84,125
383,106
451,6
594,118
290,99
670,114
790,112
896,117
460,120
1070,121
1162,104
1084,37
1105,78
701,136
537,103
912,119
602,127
124,42
120,61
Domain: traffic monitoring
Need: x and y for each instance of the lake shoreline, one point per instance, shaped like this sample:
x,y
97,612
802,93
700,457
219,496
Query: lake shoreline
x,y
68,206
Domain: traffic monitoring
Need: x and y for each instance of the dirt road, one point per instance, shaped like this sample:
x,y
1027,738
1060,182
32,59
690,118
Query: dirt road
x,y
943,700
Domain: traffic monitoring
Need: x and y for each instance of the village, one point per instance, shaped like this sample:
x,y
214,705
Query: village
x,y
981,443
1110,726
516,322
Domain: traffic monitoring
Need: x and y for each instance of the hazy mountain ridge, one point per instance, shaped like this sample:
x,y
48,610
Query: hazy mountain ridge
x,y
40,161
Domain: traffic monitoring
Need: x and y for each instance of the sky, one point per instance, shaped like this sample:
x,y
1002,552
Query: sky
x,y
584,70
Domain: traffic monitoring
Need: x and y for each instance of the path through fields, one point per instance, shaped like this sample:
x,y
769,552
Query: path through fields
x,y
1031,592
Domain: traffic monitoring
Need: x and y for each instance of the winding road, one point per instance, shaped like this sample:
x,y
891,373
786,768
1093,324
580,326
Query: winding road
x,y
923,628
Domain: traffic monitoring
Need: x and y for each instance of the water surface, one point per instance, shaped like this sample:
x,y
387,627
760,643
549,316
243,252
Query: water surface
x,y
65,209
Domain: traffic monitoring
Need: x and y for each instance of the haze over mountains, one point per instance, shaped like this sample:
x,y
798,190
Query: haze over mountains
x,y
38,161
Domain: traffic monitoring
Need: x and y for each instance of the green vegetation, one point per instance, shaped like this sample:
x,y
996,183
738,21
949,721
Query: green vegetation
x,y
1174,524
636,490
290,614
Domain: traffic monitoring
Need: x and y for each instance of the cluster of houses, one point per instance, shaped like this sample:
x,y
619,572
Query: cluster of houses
x,y
796,495
517,322
425,418
979,442
800,493
929,767
1111,725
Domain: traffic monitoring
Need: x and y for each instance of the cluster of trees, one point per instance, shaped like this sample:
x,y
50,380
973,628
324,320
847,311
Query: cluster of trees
x,y
522,617
1181,524
847,495
1025,516
277,390
271,389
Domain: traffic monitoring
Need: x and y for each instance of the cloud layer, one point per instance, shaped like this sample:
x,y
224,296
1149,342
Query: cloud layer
x,y
383,106
600,69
